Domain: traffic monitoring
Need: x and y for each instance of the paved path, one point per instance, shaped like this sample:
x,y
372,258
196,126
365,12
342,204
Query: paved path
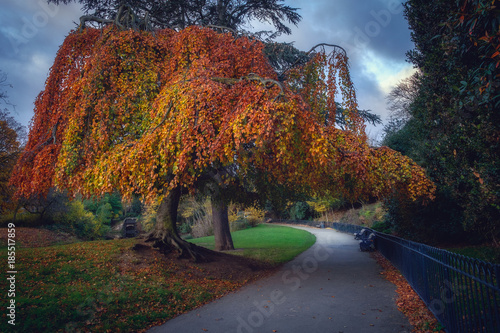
x,y
331,287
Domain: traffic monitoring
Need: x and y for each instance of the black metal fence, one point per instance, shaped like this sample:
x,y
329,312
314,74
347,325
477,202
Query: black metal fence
x,y
462,292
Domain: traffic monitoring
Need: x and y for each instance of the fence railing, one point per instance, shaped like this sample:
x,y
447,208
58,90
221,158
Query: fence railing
x,y
462,292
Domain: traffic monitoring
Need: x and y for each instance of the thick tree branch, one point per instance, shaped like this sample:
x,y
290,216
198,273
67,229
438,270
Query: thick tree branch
x,y
300,59
268,83
125,19
222,28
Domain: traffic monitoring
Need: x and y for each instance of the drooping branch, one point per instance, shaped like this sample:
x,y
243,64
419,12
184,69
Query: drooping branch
x,y
91,18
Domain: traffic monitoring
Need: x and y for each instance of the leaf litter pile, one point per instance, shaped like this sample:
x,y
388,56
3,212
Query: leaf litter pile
x,y
408,302
120,285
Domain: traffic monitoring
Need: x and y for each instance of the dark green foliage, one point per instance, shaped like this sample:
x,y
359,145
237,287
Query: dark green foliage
x,y
484,253
282,56
106,208
366,115
105,213
182,13
301,211
185,228
437,222
454,123
382,226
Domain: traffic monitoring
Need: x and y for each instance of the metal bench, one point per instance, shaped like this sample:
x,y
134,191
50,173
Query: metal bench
x,y
129,228
366,239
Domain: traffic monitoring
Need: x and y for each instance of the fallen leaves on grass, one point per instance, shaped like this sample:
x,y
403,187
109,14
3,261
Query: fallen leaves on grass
x,y
112,286
35,237
408,302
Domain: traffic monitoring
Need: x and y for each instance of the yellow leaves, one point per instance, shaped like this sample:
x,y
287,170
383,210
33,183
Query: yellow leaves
x,y
138,112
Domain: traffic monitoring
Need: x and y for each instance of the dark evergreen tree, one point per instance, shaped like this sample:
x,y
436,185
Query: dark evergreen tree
x,y
453,129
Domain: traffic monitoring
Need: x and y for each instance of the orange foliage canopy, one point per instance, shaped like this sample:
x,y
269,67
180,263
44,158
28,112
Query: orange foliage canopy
x,y
140,112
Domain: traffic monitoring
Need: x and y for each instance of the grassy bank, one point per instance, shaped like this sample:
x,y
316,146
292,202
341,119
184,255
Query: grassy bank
x,y
113,286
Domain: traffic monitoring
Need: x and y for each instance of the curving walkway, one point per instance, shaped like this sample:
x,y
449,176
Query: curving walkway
x,y
331,287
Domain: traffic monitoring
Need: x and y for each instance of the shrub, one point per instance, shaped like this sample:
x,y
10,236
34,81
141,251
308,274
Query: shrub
x,y
105,214
430,223
185,228
241,218
382,226
202,226
301,211
83,223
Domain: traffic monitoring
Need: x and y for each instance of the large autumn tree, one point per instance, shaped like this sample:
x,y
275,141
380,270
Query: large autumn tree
x,y
151,113
225,15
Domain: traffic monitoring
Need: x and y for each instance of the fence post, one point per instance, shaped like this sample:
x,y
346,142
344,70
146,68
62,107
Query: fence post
x,y
497,275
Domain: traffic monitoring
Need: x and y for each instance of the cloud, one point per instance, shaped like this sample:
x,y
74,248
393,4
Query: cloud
x,y
30,36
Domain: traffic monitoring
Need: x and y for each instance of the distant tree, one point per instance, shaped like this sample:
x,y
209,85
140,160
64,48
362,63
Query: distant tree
x,y
401,97
4,97
399,132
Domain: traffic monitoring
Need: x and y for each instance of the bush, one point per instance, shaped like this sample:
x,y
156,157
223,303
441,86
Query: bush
x,y
195,213
382,226
185,228
22,219
240,223
105,214
301,211
202,226
438,221
241,218
82,222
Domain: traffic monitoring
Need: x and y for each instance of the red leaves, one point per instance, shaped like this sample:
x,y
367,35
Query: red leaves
x,y
137,112
408,302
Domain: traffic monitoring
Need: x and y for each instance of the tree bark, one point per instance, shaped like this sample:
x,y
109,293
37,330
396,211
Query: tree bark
x,y
222,233
165,235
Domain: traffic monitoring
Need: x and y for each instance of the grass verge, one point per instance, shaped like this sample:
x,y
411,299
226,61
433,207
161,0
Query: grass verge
x,y
112,286
270,243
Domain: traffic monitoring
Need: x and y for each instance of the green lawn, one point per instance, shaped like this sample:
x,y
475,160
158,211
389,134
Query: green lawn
x,y
105,286
271,243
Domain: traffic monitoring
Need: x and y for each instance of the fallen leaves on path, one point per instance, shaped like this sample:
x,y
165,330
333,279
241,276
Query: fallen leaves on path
x,y
408,302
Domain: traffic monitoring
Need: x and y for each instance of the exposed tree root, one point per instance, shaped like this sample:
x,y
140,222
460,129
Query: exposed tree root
x,y
169,243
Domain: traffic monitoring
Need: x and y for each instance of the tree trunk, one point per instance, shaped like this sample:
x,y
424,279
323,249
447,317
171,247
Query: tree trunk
x,y
165,235
222,233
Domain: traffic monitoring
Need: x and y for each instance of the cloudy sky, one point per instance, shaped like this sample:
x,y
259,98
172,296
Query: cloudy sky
x,y
374,33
